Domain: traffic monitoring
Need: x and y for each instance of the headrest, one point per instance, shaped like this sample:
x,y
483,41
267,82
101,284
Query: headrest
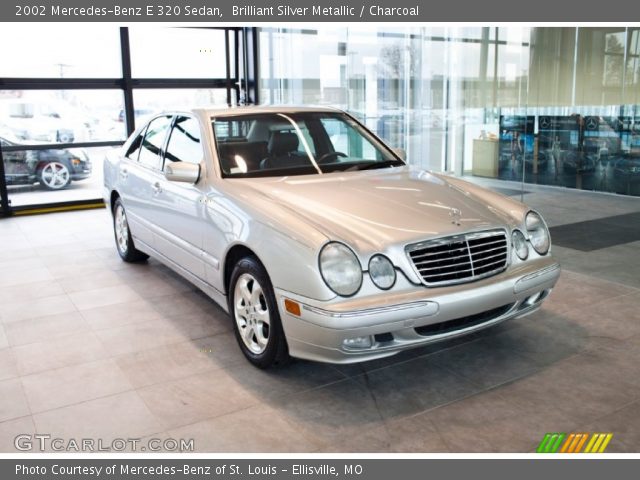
x,y
282,143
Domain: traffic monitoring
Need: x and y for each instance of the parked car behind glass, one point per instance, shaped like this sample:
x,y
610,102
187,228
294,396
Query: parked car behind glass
x,y
53,169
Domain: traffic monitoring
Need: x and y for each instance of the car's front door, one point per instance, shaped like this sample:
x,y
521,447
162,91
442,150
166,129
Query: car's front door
x,y
178,206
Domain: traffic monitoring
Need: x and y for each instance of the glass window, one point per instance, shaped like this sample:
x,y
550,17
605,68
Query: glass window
x,y
55,51
134,149
184,142
177,52
150,102
62,116
296,144
345,139
37,177
154,141
614,58
544,105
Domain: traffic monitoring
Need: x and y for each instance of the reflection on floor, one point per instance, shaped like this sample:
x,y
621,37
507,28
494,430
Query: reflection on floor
x,y
93,347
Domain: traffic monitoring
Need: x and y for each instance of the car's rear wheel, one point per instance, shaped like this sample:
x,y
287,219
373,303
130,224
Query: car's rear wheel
x,y
55,176
256,321
124,241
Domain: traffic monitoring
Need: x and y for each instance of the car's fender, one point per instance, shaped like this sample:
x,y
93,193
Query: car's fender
x,y
286,244
292,265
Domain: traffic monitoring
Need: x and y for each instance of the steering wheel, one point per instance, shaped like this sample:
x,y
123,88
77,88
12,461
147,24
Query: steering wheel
x,y
324,157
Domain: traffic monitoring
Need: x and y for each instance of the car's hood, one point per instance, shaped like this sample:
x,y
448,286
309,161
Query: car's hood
x,y
376,208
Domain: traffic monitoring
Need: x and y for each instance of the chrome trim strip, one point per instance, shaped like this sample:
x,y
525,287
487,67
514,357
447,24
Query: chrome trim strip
x,y
460,237
373,311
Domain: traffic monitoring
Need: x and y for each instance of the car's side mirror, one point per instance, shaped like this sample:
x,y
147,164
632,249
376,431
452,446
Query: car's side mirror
x,y
400,152
182,172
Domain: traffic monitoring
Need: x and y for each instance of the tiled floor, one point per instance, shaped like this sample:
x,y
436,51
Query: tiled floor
x,y
93,347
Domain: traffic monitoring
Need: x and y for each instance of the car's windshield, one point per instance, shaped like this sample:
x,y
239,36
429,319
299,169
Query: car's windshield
x,y
276,144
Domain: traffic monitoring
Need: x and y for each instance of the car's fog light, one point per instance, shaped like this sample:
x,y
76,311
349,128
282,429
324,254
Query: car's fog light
x,y
357,342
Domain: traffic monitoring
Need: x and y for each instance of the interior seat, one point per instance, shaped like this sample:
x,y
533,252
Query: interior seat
x,y
283,152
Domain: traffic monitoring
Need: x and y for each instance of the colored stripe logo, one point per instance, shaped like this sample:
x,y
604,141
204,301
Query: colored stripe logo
x,y
574,443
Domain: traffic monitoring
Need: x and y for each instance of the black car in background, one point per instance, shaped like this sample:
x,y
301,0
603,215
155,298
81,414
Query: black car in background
x,y
53,169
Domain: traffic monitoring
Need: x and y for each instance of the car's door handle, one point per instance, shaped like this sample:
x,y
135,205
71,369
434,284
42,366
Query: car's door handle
x,y
124,174
156,188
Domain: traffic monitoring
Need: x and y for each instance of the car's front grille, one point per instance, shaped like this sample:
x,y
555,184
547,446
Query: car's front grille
x,y
460,258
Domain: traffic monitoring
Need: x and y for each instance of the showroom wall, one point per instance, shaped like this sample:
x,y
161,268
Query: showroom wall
x,y
557,106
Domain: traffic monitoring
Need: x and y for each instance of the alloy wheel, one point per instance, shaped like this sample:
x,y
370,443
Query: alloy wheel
x,y
122,230
251,313
55,175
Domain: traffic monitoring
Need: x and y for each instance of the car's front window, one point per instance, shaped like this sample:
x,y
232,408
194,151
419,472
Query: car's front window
x,y
276,144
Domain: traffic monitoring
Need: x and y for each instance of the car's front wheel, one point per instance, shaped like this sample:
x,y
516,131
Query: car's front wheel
x,y
124,241
256,321
55,176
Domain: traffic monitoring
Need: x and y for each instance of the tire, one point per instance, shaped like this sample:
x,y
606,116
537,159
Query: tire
x,y
254,312
124,241
54,176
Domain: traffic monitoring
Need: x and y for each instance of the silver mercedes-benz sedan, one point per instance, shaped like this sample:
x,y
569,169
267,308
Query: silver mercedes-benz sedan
x,y
317,238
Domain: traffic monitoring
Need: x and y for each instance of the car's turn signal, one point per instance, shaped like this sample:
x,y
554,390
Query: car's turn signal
x,y
292,307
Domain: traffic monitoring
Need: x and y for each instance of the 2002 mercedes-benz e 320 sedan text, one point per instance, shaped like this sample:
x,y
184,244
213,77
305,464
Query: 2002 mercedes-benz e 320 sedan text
x,y
317,238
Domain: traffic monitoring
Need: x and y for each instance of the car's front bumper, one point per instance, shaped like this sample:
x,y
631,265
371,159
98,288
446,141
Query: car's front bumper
x,y
81,172
407,319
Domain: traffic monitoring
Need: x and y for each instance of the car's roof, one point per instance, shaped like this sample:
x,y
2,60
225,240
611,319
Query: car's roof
x,y
251,109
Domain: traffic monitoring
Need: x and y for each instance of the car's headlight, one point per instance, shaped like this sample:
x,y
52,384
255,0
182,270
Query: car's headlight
x,y
520,244
382,272
538,233
340,269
